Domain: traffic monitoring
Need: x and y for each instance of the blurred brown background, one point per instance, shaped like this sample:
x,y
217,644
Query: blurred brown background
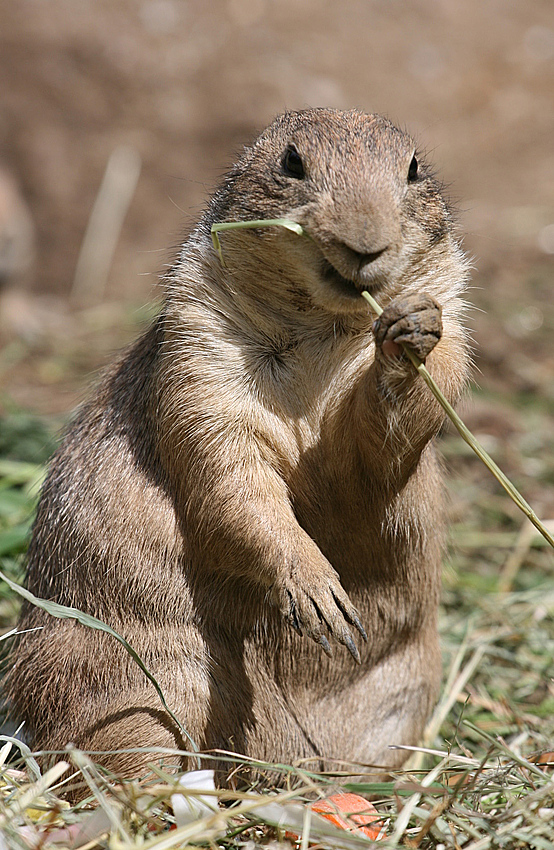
x,y
174,87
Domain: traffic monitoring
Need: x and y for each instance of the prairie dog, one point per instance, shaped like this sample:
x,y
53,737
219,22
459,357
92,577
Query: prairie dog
x,y
252,497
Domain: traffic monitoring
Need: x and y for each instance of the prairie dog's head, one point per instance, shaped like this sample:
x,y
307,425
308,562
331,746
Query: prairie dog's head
x,y
354,182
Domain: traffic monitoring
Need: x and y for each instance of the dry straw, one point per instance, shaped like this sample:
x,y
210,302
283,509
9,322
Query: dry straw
x,y
460,426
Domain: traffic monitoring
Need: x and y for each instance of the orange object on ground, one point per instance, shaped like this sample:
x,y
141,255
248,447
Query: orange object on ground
x,y
350,811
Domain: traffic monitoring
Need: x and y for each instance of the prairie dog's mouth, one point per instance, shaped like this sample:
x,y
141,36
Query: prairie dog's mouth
x,y
348,286
345,286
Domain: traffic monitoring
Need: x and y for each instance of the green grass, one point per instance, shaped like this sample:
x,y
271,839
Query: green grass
x,y
26,442
483,786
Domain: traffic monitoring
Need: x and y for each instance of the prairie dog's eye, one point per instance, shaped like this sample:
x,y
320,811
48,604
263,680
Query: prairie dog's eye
x,y
292,163
412,170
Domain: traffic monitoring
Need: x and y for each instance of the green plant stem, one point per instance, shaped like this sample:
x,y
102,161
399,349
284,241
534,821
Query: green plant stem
x,y
63,612
462,429
466,434
247,225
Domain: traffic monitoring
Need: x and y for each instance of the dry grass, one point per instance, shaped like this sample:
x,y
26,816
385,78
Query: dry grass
x,y
485,777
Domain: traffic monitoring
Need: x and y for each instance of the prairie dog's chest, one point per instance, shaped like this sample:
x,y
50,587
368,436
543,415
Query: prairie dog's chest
x,y
301,377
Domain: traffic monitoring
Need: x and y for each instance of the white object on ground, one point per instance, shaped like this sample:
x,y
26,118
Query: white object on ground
x,y
188,808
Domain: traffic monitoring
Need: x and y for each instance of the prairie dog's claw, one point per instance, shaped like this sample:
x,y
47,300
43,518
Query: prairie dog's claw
x,y
317,602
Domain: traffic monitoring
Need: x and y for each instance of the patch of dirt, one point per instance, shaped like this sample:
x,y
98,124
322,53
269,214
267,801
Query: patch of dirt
x,y
184,85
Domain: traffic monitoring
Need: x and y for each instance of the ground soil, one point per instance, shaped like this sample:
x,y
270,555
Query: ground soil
x,y
184,84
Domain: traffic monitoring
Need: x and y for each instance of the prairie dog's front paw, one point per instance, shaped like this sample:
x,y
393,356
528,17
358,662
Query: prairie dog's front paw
x,y
415,320
310,601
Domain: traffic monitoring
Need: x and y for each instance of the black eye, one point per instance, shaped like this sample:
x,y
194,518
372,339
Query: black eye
x,y
292,163
412,170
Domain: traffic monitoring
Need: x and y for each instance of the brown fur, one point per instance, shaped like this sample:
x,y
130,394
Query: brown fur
x,y
256,462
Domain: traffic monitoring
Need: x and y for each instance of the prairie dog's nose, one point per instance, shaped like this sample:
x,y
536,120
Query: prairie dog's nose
x,y
371,226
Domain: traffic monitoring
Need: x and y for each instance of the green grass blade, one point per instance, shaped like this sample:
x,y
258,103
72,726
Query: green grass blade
x,y
242,225
20,472
63,612
14,539
466,434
